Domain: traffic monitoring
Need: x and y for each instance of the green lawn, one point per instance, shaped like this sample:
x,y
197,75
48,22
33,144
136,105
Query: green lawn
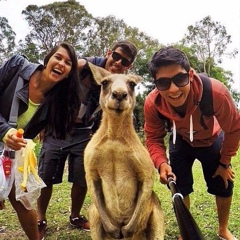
x,y
203,210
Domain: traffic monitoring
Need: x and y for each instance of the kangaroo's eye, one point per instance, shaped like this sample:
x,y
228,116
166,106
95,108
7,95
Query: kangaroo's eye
x,y
105,84
132,85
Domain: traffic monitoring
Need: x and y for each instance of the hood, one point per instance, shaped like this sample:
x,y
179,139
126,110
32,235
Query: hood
x,y
27,72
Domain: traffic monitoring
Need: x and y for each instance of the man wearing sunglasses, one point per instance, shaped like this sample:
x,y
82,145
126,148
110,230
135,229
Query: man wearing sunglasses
x,y
119,59
177,96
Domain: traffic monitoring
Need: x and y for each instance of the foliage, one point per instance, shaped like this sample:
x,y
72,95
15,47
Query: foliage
x,y
217,72
206,43
61,21
138,112
69,21
103,35
7,39
209,39
203,210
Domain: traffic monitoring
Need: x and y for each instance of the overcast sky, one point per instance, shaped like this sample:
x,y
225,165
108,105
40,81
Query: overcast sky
x,y
165,20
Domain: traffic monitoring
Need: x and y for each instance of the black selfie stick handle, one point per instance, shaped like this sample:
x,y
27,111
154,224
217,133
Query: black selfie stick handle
x,y
187,225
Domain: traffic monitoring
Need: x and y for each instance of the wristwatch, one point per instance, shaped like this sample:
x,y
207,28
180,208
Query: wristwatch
x,y
225,165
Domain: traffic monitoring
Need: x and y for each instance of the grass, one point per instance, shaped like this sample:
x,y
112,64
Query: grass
x,y
203,210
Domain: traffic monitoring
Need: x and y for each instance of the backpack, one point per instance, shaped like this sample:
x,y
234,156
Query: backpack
x,y
205,105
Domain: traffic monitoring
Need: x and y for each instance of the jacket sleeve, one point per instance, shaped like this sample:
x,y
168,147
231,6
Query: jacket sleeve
x,y
155,132
9,69
8,72
228,118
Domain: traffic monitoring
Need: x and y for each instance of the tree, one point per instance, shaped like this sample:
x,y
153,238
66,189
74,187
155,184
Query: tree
x,y
103,34
52,23
205,44
146,47
7,40
209,40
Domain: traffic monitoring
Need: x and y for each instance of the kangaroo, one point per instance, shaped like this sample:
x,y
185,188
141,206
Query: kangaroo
x,y
119,170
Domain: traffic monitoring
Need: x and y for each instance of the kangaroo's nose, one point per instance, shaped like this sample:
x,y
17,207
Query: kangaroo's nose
x,y
119,95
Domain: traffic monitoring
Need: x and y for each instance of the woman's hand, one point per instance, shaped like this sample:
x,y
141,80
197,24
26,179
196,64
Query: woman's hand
x,y
13,142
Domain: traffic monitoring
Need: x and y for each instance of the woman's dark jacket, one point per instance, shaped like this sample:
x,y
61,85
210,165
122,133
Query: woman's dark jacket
x,y
9,73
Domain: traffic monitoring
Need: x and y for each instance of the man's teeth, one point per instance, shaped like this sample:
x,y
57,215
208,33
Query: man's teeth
x,y
176,96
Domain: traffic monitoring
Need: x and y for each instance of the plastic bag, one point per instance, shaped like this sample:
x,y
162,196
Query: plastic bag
x,y
27,182
7,169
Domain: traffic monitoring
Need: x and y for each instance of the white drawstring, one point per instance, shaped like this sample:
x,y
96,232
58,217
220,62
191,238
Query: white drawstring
x,y
190,132
174,132
191,129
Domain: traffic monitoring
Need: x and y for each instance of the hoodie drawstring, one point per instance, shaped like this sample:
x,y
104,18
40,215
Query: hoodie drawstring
x,y
190,132
191,129
174,132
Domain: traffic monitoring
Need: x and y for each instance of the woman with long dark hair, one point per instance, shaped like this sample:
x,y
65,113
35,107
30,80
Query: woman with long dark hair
x,y
49,100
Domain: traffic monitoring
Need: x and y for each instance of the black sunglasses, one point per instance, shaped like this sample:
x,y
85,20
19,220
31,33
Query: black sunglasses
x,y
116,56
180,80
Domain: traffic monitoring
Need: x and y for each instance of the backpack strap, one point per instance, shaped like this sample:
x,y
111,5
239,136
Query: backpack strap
x,y
15,103
167,122
206,103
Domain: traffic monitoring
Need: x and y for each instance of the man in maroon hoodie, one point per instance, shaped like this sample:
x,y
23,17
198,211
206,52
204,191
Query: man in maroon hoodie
x,y
177,96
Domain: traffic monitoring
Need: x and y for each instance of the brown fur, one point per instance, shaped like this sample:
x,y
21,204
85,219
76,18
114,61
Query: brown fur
x,y
119,171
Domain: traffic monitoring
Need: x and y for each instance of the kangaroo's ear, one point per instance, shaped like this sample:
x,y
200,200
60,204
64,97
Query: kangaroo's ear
x,y
98,72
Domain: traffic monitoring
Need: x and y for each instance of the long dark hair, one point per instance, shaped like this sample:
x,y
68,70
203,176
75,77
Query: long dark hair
x,y
63,98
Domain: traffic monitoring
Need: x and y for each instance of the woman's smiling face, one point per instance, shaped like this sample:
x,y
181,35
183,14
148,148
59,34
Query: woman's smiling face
x,y
59,65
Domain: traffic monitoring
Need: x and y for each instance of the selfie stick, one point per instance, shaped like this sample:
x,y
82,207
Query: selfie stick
x,y
187,225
